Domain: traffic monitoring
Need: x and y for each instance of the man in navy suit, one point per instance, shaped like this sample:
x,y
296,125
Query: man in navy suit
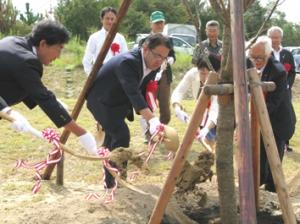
x,y
120,86
285,57
21,70
281,113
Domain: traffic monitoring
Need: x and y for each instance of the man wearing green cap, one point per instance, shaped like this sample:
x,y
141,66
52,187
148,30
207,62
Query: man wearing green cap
x,y
157,23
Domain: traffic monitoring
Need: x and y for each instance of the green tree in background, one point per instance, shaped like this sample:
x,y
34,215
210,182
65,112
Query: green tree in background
x,y
8,16
253,19
82,17
29,17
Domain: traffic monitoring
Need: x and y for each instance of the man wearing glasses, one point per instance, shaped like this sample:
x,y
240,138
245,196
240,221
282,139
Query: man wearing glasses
x,y
164,77
281,113
120,86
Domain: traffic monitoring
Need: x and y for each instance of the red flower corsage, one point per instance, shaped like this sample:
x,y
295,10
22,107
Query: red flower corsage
x,y
115,48
287,67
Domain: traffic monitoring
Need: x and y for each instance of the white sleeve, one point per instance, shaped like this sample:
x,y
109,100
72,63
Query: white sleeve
x,y
89,54
184,85
213,110
123,43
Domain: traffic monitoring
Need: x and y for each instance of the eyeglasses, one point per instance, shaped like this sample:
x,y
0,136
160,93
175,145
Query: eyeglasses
x,y
158,56
257,59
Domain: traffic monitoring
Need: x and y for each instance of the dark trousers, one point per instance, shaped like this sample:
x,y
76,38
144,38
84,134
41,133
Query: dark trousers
x,y
163,96
118,136
265,172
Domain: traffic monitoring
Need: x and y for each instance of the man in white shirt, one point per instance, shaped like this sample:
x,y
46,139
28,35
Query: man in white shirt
x,y
96,40
194,79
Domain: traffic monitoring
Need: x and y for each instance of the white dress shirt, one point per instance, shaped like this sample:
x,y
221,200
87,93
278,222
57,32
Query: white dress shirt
x,y
277,53
94,46
192,80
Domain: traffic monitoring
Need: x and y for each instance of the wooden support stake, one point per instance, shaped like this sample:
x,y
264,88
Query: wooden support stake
x,y
227,89
244,155
81,99
255,139
181,154
271,150
219,89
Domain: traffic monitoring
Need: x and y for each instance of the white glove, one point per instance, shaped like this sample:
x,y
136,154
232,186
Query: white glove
x,y
203,132
88,142
181,115
144,125
22,125
154,125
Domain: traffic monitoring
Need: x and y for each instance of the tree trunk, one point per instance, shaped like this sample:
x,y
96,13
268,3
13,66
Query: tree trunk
x,y
224,148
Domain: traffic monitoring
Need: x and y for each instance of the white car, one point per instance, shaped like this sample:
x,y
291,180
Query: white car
x,y
296,54
297,62
179,45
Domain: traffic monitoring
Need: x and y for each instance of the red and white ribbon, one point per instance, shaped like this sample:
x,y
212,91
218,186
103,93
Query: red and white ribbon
x,y
152,144
109,194
52,136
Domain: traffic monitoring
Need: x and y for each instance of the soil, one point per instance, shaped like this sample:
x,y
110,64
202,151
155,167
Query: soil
x,y
195,200
67,204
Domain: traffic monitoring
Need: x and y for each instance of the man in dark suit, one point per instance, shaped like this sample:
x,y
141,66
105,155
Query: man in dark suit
x,y
285,57
21,69
120,85
281,113
164,76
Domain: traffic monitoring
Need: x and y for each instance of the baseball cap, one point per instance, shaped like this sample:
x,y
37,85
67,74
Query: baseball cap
x,y
157,16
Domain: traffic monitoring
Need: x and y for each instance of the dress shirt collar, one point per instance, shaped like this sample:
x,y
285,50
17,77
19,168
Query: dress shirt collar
x,y
146,70
34,50
277,53
103,31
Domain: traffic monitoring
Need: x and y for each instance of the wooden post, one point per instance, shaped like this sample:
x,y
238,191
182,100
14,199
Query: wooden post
x,y
271,150
181,154
80,101
244,155
255,139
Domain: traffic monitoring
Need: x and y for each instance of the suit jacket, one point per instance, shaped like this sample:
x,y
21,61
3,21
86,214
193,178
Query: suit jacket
x,y
20,79
279,105
119,87
287,59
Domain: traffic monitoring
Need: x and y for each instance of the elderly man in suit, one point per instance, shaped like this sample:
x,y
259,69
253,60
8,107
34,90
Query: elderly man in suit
x,y
21,70
281,113
120,86
285,57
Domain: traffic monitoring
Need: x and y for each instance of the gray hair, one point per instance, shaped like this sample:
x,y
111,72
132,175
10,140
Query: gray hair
x,y
275,29
212,23
266,42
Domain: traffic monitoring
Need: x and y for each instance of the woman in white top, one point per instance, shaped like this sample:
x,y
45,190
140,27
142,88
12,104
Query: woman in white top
x,y
194,79
95,42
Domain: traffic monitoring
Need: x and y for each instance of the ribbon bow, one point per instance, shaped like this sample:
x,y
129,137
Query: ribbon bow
x,y
115,48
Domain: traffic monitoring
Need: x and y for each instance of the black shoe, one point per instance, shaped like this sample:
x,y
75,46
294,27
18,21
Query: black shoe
x,y
289,149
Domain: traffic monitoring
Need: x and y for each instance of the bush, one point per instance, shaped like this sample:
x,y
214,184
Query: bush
x,y
72,55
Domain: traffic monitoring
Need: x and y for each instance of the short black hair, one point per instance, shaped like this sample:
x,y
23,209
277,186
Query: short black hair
x,y
154,40
106,10
51,31
215,61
